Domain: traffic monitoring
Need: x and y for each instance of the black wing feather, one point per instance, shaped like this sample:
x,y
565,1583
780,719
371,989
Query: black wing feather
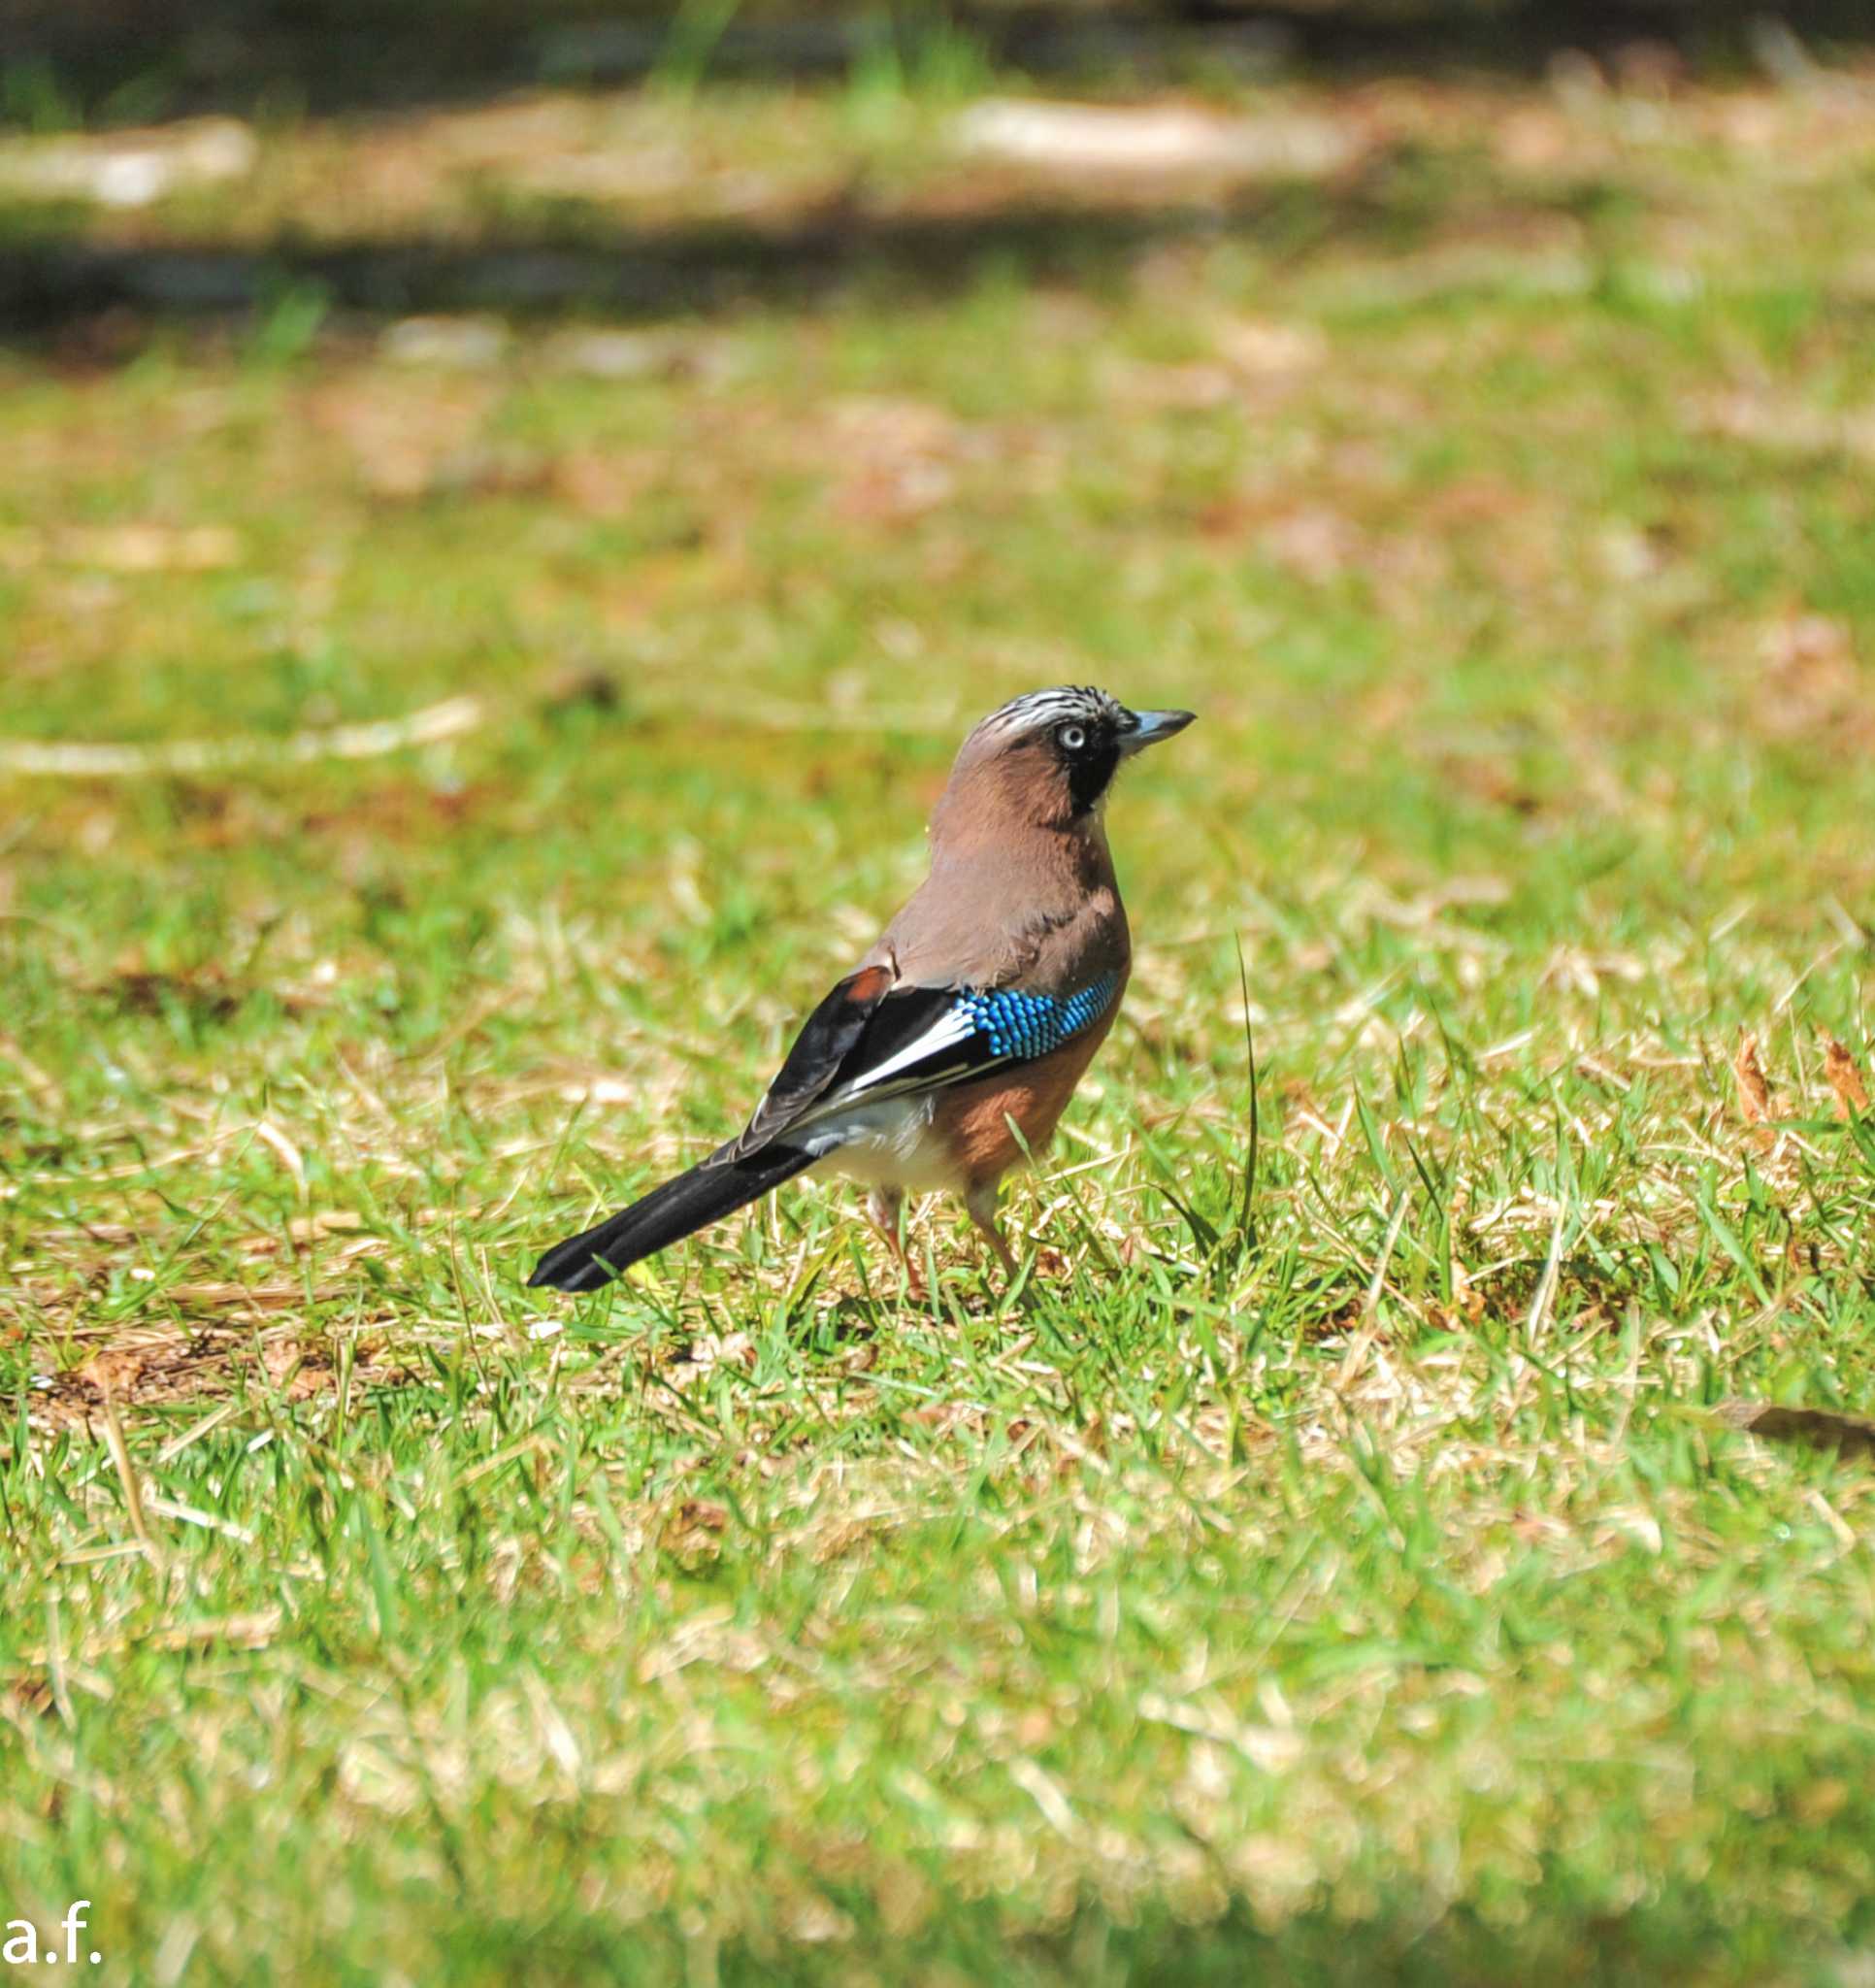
x,y
680,1206
827,1038
861,1026
843,1040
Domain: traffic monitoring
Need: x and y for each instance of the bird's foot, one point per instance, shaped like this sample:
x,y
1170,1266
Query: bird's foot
x,y
886,1208
917,1289
980,1204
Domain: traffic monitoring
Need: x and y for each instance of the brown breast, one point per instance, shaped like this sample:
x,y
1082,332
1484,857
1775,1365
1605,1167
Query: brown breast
x,y
974,1118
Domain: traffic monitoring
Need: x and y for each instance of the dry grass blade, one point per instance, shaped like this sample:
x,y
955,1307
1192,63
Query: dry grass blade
x,y
1253,1145
133,1493
250,1629
1363,1340
76,760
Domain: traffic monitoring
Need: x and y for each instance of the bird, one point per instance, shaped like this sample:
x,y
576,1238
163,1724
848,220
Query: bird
x,y
947,1055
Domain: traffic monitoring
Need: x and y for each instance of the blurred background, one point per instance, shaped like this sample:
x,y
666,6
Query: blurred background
x,y
1395,365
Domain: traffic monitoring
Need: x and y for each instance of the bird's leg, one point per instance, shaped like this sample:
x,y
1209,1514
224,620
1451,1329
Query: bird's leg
x,y
886,1208
980,1204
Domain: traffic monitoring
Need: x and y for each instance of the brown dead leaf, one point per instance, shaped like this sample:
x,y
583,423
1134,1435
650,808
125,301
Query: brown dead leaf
x,y
1811,686
114,1372
694,1530
1801,1255
298,1370
1650,67
141,1368
1754,1091
149,1368
941,1417
1472,501
1315,542
601,483
139,988
1845,1079
1538,138
406,437
1821,1428
1491,782
1537,1528
899,457
1467,1301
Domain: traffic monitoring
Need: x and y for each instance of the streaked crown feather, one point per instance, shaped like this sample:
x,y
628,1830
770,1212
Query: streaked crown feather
x,y
1036,710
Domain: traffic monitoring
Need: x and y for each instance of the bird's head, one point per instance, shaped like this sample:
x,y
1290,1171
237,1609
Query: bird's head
x,y
1051,756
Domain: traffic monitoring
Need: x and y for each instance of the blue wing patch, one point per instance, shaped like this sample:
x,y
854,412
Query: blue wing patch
x,y
1025,1025
909,1041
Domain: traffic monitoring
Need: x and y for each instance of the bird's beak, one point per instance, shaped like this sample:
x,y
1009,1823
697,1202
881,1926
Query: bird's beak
x,y
1151,727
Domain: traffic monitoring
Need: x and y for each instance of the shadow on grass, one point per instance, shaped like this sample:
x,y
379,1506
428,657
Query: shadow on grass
x,y
592,265
242,55
168,57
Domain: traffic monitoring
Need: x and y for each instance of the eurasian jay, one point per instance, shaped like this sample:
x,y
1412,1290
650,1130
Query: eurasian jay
x,y
948,1055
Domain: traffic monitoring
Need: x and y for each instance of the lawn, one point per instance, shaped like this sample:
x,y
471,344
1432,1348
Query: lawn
x,y
526,603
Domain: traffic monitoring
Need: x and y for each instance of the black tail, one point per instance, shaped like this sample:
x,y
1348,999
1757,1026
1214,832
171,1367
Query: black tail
x,y
678,1209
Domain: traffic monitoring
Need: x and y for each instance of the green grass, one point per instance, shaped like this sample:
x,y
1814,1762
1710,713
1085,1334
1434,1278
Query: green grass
x,y
1338,1573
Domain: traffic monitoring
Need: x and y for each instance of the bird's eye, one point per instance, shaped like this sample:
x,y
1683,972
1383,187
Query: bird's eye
x,y
1073,738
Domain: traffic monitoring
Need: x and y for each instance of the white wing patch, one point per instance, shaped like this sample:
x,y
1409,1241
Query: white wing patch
x,y
949,1030
952,1030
